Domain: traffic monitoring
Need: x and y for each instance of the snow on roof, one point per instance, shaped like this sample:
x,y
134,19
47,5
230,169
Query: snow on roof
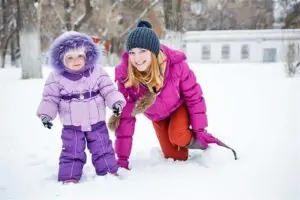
x,y
236,35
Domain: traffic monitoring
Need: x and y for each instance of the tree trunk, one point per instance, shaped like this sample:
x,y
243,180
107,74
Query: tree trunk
x,y
18,49
173,22
172,15
3,51
12,52
86,16
2,59
2,63
67,8
14,49
3,30
30,41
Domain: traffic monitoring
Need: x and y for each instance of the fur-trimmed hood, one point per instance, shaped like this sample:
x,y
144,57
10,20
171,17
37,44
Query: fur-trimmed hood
x,y
68,41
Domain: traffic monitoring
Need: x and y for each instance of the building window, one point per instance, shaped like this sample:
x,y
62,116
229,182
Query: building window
x,y
269,55
225,52
245,52
206,52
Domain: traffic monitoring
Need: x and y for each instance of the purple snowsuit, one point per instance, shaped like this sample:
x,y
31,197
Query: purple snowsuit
x,y
80,99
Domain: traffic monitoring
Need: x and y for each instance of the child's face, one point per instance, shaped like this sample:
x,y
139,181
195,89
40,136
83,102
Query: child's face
x,y
75,61
140,58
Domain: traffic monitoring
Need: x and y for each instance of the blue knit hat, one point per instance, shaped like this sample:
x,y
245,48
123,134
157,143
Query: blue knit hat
x,y
143,37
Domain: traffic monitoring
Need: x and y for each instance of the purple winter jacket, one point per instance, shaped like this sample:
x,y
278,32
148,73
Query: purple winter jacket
x,y
93,86
180,86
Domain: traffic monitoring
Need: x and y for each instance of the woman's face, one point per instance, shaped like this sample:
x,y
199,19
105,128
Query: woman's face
x,y
140,58
75,61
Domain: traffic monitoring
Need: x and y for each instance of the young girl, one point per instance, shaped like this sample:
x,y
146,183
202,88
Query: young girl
x,y
156,81
79,91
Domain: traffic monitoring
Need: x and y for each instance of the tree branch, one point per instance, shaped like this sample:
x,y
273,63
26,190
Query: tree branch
x,y
73,6
108,16
136,3
140,17
39,11
87,14
57,14
111,10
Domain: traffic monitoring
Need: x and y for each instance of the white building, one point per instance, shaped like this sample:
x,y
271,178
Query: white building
x,y
240,45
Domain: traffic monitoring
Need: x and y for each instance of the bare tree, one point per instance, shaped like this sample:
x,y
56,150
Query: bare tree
x,y
30,40
109,20
292,19
286,4
15,41
67,15
118,20
147,9
172,11
83,18
286,12
71,21
227,14
8,29
3,35
292,58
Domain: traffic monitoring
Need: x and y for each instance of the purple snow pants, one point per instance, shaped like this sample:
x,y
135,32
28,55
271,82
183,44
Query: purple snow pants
x,y
73,156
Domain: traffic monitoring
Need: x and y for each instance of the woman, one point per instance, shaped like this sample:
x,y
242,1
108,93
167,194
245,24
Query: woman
x,y
156,80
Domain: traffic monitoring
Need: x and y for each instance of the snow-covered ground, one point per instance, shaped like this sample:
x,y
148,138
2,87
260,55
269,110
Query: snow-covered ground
x,y
252,107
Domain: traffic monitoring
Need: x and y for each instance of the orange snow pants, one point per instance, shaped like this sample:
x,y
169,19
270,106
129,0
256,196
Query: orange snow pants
x,y
174,134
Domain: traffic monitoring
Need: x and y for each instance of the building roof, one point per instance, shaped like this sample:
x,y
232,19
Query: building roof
x,y
235,35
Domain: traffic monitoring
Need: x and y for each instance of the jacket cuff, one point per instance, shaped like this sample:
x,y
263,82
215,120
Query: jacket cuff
x,y
45,118
121,103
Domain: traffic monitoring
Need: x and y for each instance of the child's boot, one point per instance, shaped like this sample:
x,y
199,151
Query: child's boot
x,y
70,181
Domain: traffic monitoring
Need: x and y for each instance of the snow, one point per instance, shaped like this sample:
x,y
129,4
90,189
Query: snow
x,y
253,107
240,35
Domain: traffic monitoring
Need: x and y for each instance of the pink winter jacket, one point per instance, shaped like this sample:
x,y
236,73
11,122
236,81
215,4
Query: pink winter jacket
x,y
180,86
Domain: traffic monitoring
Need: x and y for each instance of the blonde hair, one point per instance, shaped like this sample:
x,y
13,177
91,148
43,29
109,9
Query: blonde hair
x,y
151,78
